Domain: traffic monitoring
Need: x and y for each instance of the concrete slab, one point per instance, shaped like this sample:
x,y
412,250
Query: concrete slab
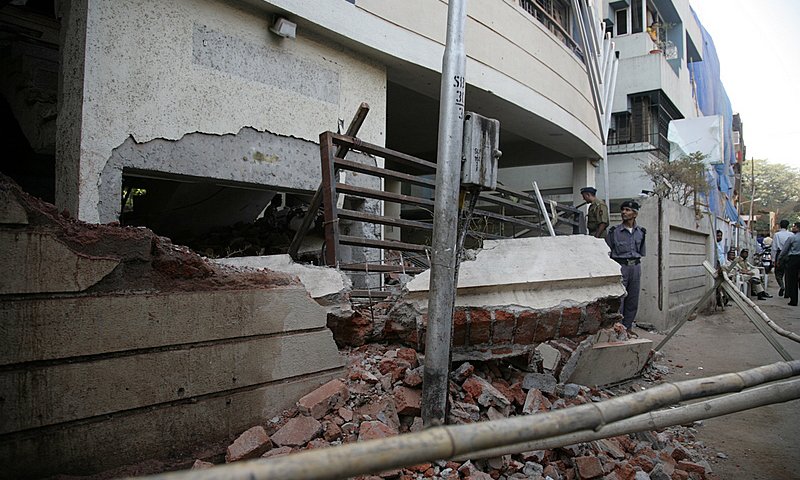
x,y
532,273
609,362
48,329
40,263
51,394
11,212
167,430
324,284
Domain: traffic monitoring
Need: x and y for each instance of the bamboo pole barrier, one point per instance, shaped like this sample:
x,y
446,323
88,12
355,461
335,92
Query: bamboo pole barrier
x,y
774,326
446,442
725,405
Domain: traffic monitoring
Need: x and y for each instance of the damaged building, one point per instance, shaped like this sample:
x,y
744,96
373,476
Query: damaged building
x,y
144,125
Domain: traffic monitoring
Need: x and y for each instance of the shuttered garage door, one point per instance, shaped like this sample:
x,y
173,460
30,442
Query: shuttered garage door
x,y
687,277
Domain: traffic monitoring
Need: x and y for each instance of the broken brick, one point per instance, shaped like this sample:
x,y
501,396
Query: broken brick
x,y
330,431
277,452
460,327
588,467
297,431
407,401
370,430
503,327
395,366
409,355
535,402
324,399
250,444
570,321
484,393
547,326
480,326
690,467
526,327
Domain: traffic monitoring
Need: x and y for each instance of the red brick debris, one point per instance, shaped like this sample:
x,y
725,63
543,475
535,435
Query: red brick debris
x,y
380,395
147,261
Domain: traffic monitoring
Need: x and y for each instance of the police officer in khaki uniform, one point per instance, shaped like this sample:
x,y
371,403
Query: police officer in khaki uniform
x,y
597,218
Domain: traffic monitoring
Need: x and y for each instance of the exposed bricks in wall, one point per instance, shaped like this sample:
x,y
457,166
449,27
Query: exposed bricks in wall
x,y
503,331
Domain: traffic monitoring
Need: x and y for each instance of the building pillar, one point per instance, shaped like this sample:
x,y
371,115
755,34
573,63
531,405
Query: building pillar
x,y
583,175
69,121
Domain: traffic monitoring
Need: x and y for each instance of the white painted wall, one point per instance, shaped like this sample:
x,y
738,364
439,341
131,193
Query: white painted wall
x,y
145,77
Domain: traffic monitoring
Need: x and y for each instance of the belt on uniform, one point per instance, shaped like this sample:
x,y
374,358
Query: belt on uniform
x,y
627,261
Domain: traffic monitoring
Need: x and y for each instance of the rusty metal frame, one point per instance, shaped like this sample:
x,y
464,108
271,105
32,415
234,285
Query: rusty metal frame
x,y
503,206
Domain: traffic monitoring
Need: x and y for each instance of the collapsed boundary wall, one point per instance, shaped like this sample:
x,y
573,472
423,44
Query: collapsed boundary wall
x,y
119,346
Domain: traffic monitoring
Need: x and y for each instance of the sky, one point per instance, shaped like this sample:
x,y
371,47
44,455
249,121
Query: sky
x,y
758,44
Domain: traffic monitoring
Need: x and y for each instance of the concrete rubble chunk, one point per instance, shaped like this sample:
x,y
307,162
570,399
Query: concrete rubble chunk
x,y
550,355
540,381
201,465
535,402
608,362
462,372
327,286
250,444
330,396
485,394
297,431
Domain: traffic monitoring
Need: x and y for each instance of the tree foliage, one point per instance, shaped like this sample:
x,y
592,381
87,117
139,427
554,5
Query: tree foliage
x,y
681,180
777,190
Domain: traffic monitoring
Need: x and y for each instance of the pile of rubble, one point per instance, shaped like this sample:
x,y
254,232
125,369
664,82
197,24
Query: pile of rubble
x,y
381,395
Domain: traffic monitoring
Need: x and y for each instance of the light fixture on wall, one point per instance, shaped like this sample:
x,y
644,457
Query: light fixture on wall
x,y
283,28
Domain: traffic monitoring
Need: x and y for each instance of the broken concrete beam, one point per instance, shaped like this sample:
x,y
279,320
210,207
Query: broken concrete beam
x,y
327,286
531,273
517,293
40,263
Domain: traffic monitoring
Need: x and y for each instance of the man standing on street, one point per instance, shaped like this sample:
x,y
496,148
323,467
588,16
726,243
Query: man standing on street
x,y
626,241
778,241
790,261
597,217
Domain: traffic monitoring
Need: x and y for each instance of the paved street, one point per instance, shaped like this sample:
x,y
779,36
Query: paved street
x,y
760,443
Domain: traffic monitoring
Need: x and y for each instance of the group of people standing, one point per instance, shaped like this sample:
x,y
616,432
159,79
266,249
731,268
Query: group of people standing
x,y
786,257
626,242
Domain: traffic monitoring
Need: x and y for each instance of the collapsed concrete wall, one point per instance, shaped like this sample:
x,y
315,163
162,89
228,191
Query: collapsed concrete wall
x,y
517,293
119,346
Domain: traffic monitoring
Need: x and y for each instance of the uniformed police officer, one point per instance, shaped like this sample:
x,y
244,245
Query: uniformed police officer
x,y
597,217
626,241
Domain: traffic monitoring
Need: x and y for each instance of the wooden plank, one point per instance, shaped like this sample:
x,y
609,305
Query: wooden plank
x,y
50,394
47,329
161,432
329,198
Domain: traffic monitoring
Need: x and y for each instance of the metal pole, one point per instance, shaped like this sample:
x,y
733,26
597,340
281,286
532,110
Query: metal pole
x,y
752,193
445,217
